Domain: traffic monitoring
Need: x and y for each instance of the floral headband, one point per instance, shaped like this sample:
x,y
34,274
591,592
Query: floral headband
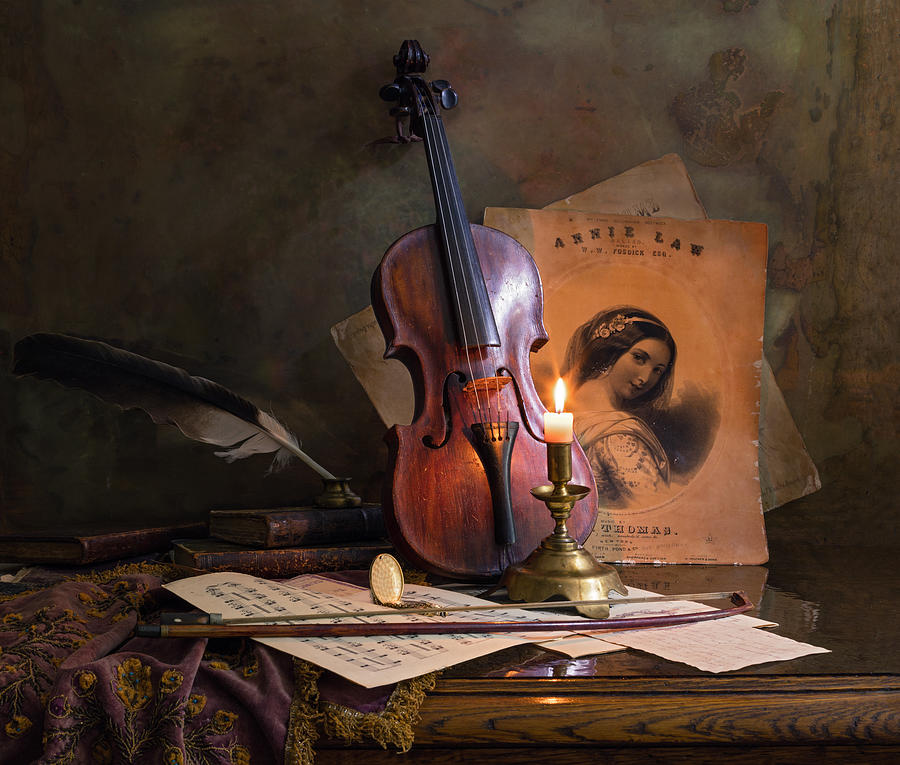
x,y
618,322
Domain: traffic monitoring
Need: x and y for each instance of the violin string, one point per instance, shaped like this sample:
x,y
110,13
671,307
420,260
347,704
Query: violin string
x,y
461,237
440,167
442,203
486,414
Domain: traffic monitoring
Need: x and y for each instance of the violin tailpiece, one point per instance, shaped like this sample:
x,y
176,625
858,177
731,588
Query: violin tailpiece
x,y
494,443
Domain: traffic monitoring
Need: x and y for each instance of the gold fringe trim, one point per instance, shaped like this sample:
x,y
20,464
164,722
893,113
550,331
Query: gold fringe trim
x,y
299,747
392,727
166,572
413,575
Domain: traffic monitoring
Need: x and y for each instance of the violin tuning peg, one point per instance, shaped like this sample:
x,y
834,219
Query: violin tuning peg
x,y
390,92
449,99
447,95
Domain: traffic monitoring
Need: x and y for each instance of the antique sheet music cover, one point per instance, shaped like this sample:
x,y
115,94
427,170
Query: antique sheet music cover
x,y
673,446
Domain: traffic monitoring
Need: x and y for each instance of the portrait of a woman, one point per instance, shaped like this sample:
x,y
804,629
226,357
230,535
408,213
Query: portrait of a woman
x,y
619,368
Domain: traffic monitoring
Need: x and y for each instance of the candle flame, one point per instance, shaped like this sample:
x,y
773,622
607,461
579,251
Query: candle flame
x,y
559,395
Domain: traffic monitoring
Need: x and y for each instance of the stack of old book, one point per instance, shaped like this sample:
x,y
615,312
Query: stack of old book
x,y
287,541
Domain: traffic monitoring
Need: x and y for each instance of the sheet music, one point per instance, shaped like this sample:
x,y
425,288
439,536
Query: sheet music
x,y
595,643
714,646
623,608
577,646
368,661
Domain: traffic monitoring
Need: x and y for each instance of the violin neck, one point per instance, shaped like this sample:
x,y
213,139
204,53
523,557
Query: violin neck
x,y
471,305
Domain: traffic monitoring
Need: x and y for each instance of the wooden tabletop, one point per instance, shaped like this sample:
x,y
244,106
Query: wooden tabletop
x,y
527,705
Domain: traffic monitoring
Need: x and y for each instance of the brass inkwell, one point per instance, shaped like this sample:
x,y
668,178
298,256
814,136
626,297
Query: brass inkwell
x,y
560,567
337,493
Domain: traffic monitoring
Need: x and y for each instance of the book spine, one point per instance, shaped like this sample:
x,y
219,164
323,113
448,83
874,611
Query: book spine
x,y
286,562
349,524
126,544
299,527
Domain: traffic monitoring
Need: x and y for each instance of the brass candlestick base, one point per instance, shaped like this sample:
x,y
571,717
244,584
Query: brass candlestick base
x,y
560,566
337,493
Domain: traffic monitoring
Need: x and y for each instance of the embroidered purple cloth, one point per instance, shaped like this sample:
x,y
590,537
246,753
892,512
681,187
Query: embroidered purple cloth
x,y
75,687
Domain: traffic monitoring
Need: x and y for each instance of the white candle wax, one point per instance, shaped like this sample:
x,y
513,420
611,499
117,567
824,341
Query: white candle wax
x,y
558,424
558,427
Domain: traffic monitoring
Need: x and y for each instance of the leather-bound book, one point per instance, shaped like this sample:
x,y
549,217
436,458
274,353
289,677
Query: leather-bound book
x,y
297,526
275,563
83,547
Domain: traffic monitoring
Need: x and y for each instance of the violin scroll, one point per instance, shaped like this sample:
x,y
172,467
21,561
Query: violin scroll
x,y
411,59
412,96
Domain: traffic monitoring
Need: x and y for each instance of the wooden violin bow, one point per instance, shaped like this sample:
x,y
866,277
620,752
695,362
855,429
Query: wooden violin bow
x,y
739,604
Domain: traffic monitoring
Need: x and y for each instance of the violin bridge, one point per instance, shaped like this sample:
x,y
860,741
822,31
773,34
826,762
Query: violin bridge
x,y
483,397
485,386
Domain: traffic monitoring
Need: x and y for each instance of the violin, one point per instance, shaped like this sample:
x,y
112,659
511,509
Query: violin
x,y
461,306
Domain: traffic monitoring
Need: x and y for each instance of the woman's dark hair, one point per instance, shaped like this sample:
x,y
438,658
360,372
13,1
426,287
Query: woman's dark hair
x,y
597,344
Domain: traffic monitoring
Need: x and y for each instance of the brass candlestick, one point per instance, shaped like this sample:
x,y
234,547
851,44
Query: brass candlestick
x,y
561,566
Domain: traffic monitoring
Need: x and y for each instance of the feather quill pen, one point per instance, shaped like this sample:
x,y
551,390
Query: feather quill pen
x,y
202,409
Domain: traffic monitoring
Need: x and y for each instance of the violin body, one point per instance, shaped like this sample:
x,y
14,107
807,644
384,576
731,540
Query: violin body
x,y
439,500
461,306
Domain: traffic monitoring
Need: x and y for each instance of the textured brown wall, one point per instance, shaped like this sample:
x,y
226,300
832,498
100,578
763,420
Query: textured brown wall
x,y
197,181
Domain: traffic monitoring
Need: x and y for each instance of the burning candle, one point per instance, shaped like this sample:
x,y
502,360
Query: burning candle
x,y
558,425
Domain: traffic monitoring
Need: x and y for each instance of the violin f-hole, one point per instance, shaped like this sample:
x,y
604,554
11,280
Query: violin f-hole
x,y
429,440
520,401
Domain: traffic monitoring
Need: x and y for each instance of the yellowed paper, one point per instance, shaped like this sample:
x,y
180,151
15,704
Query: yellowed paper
x,y
714,646
677,480
660,187
386,381
577,646
786,471
671,580
663,188
671,642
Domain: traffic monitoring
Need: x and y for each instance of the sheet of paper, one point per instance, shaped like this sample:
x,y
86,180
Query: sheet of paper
x,y
578,646
596,642
386,381
658,187
663,188
694,494
622,608
368,661
714,646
